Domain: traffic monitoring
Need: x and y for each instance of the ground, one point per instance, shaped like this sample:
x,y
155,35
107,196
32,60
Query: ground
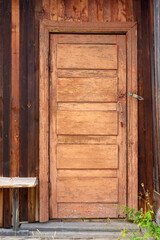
x,y
69,230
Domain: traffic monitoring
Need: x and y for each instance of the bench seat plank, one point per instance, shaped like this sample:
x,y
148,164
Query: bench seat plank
x,y
18,182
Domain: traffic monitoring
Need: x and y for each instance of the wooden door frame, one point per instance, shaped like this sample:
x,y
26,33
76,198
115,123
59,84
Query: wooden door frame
x,y
128,28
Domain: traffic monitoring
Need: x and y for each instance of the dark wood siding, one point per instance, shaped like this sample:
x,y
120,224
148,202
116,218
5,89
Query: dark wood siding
x,y
64,10
5,93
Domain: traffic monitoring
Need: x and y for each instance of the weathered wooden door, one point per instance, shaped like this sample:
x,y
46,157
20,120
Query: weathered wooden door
x,y
87,125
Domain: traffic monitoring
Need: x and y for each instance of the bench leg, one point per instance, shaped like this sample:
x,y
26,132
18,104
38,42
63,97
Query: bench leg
x,y
15,209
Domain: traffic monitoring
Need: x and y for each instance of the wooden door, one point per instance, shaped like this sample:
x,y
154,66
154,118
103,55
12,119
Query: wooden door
x,y
87,125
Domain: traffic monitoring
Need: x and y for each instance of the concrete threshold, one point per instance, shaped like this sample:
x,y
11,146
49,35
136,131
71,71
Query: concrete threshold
x,y
69,230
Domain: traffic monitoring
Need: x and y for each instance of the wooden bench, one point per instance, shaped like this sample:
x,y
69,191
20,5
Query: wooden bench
x,y
15,183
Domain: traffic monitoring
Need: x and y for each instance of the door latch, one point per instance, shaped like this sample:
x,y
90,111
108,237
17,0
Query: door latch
x,y
135,96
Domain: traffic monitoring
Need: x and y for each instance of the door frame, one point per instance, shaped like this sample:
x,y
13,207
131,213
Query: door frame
x,y
128,28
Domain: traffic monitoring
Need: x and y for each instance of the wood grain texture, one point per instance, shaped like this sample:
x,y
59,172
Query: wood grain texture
x,y
86,173
92,10
1,94
87,90
7,213
46,8
1,207
80,139
53,9
87,156
87,106
6,34
87,122
122,10
53,128
61,10
17,182
154,33
132,121
76,10
129,11
107,10
62,73
121,138
31,107
89,56
139,12
86,210
145,147
6,85
87,38
81,190
14,127
23,84
31,204
43,125
114,10
99,10
84,10
23,101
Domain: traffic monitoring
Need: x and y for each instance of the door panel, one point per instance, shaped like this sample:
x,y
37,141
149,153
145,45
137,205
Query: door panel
x,y
87,89
80,122
87,125
86,56
87,156
84,189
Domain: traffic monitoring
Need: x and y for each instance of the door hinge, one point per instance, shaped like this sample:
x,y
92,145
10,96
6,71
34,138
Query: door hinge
x,y
135,96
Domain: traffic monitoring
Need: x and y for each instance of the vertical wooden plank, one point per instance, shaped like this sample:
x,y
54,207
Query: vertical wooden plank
x,y
31,204
1,88
155,90
23,94
129,11
38,16
99,10
31,108
121,138
14,127
23,165
84,10
23,202
1,207
37,205
76,10
132,134
53,128
43,126
145,147
1,109
114,10
15,204
6,84
61,10
6,105
106,10
46,9
122,10
54,10
7,215
92,10
68,10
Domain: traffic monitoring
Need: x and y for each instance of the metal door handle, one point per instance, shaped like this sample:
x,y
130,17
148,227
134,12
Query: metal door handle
x,y
135,96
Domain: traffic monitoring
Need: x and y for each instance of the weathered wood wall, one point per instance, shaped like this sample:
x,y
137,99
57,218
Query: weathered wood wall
x,y
19,84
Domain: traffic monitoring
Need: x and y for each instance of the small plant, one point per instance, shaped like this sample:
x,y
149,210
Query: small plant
x,y
143,219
